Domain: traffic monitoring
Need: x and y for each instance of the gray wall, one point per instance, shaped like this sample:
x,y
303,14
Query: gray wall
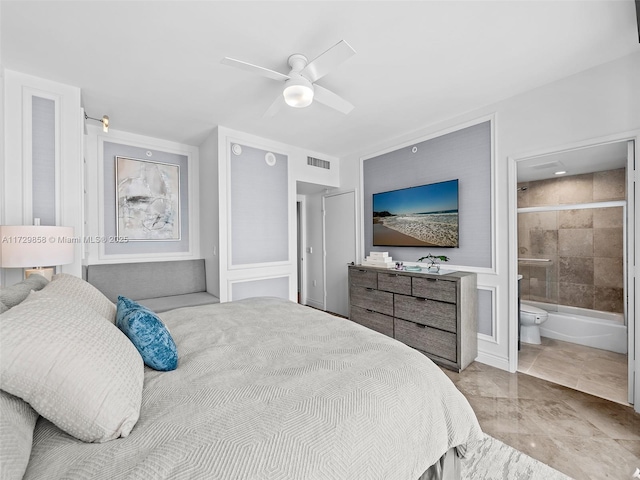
x,y
485,312
464,155
259,208
112,150
43,148
269,287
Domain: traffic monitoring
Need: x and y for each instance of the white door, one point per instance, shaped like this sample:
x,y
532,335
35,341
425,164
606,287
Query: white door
x,y
632,283
339,249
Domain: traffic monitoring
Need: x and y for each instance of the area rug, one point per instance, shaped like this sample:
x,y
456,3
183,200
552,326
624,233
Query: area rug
x,y
494,460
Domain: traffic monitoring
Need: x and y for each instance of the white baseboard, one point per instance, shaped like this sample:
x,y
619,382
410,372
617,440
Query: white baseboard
x,y
493,360
315,303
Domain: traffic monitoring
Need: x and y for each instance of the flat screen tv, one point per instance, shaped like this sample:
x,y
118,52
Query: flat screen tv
x,y
424,216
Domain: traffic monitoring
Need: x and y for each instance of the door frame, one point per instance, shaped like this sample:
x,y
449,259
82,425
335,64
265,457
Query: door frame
x,y
356,217
632,285
301,240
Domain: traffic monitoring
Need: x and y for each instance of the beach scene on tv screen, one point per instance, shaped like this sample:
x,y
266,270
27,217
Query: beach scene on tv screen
x,y
418,216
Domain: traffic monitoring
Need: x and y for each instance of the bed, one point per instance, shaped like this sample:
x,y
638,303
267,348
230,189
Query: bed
x,y
264,389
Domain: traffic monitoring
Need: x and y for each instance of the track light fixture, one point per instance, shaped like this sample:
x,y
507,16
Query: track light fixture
x,y
104,121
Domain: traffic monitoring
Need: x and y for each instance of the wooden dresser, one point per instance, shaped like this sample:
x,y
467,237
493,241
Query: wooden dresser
x,y
436,314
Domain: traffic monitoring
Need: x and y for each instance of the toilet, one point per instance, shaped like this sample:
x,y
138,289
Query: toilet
x,y
530,319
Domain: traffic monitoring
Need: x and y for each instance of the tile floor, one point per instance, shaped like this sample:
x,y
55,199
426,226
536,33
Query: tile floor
x,y
583,436
591,370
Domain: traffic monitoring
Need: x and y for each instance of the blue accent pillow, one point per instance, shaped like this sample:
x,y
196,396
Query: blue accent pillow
x,y
149,335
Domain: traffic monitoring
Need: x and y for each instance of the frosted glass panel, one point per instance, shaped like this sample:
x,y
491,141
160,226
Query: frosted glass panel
x,y
44,159
270,287
259,207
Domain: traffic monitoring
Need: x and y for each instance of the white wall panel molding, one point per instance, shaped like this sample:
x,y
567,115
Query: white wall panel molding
x,y
95,142
259,194
390,148
272,286
492,337
492,349
298,171
19,90
28,95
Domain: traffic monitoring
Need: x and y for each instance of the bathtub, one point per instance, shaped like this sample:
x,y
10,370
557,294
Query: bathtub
x,y
593,328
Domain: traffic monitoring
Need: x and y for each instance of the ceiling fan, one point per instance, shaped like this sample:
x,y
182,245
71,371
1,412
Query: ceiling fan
x,y
300,89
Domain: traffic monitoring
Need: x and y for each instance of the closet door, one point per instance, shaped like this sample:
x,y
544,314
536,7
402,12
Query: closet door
x,y
340,249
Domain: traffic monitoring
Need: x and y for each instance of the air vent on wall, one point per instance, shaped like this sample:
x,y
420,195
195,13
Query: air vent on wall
x,y
316,162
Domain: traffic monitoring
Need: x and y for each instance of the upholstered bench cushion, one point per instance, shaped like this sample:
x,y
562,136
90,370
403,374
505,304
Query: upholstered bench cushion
x,y
162,304
159,286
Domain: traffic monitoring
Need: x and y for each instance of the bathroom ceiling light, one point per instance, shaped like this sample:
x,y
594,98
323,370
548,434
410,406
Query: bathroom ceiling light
x,y
560,172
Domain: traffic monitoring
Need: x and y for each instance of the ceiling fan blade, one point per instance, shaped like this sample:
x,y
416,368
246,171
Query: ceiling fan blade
x,y
265,72
275,107
327,61
332,100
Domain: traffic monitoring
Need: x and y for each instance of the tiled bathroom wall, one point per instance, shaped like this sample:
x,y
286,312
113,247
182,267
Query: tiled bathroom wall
x,y
573,257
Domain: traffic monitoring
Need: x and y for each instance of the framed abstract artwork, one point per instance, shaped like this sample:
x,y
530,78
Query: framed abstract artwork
x,y
147,200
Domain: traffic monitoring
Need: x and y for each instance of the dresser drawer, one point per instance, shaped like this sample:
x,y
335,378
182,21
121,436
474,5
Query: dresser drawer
x,y
434,289
363,278
375,321
393,282
426,312
426,339
376,300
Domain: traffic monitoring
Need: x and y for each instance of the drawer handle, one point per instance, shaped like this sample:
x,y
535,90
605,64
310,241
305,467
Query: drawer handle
x,y
370,311
363,271
369,289
432,279
420,325
421,299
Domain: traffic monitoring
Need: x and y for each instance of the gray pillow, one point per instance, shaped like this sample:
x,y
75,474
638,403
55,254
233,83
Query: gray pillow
x,y
3,307
15,294
17,422
73,366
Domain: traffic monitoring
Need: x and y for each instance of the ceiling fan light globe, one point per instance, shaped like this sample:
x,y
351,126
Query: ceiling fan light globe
x,y
298,96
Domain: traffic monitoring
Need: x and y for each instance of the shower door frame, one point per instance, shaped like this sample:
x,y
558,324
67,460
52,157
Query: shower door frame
x,y
632,229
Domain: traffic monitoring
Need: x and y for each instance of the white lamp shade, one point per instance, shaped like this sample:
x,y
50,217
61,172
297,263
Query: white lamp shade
x,y
298,92
35,246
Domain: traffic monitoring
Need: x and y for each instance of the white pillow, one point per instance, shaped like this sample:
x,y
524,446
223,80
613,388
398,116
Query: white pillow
x,y
73,366
17,422
81,290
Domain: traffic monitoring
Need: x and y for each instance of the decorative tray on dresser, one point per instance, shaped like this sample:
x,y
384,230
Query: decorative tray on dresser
x,y
433,313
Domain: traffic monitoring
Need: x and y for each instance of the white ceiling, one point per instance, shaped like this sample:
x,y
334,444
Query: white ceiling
x,y
597,158
154,67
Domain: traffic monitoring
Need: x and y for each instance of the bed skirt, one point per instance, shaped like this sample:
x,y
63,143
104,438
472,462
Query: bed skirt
x,y
447,468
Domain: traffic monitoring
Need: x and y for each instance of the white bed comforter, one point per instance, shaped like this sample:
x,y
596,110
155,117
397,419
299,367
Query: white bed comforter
x,y
268,389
